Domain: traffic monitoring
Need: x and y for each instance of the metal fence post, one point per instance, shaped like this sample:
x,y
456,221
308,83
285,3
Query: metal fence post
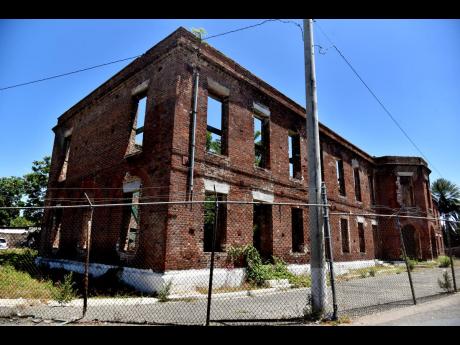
x,y
403,247
329,257
213,246
88,245
450,256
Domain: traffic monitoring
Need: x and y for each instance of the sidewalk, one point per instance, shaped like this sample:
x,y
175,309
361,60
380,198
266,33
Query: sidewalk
x,y
441,312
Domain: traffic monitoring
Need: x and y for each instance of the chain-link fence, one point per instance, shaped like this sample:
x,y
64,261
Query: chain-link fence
x,y
219,262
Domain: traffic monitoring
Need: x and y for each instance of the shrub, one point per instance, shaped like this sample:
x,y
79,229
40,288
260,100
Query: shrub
x,y
445,282
257,273
410,262
163,294
372,271
65,290
443,261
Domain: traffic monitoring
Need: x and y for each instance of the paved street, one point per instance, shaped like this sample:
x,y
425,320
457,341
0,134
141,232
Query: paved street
x,y
440,312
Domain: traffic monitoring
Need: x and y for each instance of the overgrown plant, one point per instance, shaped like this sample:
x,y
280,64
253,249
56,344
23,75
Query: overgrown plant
x,y
445,282
163,293
65,290
257,272
443,261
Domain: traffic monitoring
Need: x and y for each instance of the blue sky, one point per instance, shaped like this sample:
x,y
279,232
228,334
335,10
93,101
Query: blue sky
x,y
412,65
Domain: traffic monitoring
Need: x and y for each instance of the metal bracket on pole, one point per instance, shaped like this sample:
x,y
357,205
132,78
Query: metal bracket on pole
x,y
88,244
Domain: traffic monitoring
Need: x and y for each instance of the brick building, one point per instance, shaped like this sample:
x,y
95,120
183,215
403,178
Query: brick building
x,y
130,140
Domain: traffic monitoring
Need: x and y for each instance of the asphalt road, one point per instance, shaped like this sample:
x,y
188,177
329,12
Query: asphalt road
x,y
441,312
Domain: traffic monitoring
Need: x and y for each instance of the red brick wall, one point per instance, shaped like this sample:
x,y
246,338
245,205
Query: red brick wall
x,y
171,237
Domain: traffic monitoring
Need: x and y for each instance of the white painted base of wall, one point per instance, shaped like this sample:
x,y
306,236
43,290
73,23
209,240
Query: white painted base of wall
x,y
183,281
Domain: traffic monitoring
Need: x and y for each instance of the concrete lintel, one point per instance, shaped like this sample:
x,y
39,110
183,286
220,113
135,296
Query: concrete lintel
x,y
140,88
221,187
262,196
405,173
261,109
217,89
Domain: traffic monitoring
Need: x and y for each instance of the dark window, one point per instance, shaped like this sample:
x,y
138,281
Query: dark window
x,y
357,184
131,224
428,193
344,234
65,162
56,228
371,188
261,141
362,242
262,230
141,110
297,230
215,124
294,156
407,190
210,219
340,177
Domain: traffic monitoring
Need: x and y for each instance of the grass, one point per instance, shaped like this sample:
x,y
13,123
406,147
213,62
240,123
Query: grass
x,y
226,289
18,284
21,277
370,272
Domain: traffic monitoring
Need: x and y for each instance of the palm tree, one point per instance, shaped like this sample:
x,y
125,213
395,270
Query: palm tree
x,y
447,197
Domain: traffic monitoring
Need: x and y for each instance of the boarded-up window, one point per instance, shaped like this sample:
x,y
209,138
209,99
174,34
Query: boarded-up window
x,y
297,230
344,235
362,242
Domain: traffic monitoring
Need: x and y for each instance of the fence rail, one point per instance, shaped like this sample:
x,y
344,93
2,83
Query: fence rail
x,y
219,262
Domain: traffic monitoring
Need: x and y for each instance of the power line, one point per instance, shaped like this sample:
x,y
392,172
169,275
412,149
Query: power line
x,y
130,58
375,96
68,73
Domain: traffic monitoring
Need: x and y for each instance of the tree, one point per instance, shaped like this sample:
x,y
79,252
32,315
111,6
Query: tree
x,y
35,184
11,192
447,197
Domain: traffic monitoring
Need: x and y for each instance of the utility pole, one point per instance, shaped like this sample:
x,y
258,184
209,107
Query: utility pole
x,y
317,258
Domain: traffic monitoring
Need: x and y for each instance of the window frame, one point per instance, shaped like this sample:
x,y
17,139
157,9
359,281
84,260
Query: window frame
x,y
222,132
345,221
340,172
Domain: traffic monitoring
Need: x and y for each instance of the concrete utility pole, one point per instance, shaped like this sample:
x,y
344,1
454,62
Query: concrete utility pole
x,y
317,258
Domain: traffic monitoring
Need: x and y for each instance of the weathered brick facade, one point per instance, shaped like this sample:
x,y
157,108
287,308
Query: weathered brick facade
x,y
102,157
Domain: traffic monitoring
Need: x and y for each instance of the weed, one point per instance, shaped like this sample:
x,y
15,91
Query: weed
x,y
163,293
65,292
445,282
443,261
372,271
